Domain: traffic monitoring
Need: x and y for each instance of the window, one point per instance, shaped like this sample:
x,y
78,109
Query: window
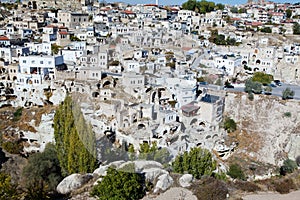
x,y
24,61
41,62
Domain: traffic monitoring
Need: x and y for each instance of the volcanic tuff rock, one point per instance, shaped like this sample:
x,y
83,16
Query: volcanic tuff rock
x,y
269,127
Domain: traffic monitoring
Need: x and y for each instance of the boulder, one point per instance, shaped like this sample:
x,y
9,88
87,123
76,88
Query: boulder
x,y
73,182
186,180
101,171
152,173
164,182
141,165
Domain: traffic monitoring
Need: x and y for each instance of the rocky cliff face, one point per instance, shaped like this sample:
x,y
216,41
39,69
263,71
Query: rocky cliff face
x,y
269,128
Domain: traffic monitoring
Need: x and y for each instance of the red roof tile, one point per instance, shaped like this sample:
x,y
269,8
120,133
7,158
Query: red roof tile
x,y
3,38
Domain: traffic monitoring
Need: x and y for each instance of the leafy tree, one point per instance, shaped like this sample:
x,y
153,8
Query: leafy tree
x,y
153,153
296,29
268,90
288,13
235,171
266,30
13,147
219,6
73,38
229,125
200,6
287,93
255,83
7,189
42,173
262,78
197,162
234,10
120,185
75,140
288,166
256,87
55,48
189,5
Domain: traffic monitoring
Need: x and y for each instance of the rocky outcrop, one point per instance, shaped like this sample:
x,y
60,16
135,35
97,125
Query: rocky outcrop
x,y
186,180
73,182
269,127
164,182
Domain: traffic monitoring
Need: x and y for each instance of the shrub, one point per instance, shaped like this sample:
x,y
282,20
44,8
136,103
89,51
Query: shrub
x,y
197,162
250,96
210,189
288,167
120,185
229,125
287,93
17,114
287,114
298,160
236,172
246,186
284,187
14,147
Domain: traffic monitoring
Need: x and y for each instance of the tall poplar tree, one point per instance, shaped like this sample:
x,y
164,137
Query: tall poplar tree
x,y
75,140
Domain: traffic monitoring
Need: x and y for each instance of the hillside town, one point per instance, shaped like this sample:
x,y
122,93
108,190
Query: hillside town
x,y
146,73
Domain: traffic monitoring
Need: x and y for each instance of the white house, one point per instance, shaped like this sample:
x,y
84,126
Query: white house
x,y
37,69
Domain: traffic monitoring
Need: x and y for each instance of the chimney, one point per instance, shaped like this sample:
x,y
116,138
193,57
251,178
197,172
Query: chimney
x,y
157,2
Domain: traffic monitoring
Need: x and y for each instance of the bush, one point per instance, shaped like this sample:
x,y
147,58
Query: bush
x,y
229,125
7,189
197,162
288,167
287,114
250,96
246,186
284,187
14,147
42,173
287,93
236,172
120,185
17,114
211,189
262,78
298,160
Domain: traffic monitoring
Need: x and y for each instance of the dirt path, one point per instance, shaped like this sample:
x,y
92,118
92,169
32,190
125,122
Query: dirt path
x,y
274,196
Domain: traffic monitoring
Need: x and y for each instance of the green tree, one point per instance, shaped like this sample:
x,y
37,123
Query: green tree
x,y
55,48
75,140
220,6
287,93
7,189
266,30
268,90
262,78
42,173
189,5
229,125
235,171
234,10
197,162
120,185
153,153
288,13
296,29
288,166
